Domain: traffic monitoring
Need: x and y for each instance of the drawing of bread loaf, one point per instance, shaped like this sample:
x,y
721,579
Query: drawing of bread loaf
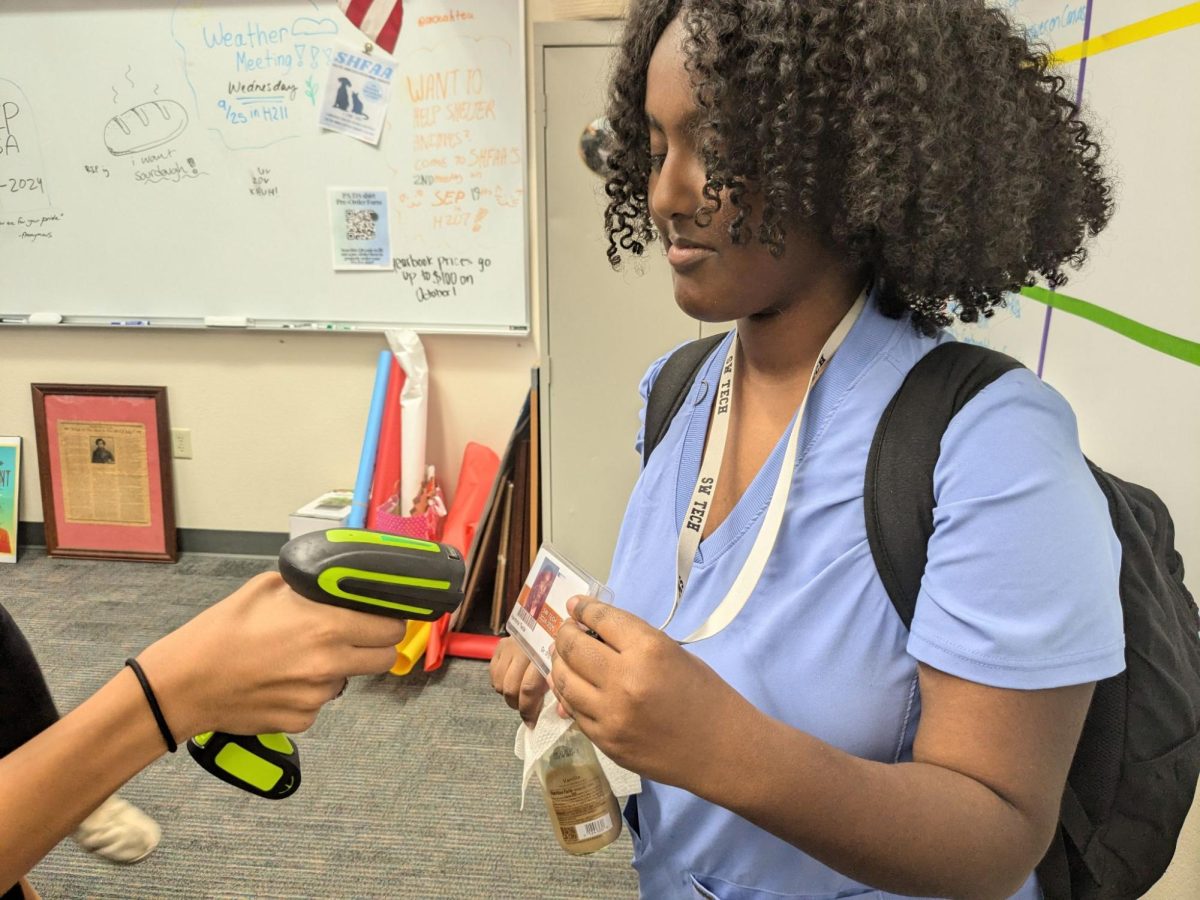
x,y
144,126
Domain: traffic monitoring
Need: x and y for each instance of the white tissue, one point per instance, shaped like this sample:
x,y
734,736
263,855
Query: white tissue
x,y
533,743
414,413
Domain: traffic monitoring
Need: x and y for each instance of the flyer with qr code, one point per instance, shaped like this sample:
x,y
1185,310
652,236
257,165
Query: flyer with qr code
x,y
357,93
359,219
541,606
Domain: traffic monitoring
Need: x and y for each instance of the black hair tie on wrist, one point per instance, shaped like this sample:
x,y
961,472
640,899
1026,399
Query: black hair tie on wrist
x,y
153,701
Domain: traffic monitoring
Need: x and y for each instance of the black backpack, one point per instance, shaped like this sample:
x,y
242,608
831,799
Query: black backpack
x,y
1134,773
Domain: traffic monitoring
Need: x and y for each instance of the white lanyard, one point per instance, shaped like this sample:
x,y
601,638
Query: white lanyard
x,y
706,486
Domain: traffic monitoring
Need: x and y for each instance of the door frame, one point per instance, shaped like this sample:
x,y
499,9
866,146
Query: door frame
x,y
552,35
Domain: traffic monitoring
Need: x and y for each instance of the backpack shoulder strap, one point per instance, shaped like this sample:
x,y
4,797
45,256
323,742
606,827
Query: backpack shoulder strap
x,y
671,386
898,491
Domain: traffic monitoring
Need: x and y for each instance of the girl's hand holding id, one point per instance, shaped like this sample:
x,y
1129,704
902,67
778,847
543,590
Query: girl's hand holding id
x,y
651,706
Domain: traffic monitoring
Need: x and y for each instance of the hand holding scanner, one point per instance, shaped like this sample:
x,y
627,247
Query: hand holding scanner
x,y
369,571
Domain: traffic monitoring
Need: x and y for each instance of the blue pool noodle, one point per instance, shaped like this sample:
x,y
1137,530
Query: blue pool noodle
x,y
366,462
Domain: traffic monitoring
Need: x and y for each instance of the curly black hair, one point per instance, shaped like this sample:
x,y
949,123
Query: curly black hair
x,y
927,139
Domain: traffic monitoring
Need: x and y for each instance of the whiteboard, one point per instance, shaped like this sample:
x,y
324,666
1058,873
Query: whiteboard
x,y
1138,409
211,203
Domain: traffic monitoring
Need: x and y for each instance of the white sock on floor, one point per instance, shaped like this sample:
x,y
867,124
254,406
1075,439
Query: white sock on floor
x,y
119,831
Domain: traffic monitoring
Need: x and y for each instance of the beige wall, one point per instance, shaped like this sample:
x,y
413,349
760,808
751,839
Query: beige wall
x,y
275,418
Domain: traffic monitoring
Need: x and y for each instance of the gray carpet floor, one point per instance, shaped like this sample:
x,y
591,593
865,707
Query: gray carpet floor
x,y
410,784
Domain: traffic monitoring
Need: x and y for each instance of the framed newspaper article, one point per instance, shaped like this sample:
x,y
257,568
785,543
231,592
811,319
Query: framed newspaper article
x,y
105,469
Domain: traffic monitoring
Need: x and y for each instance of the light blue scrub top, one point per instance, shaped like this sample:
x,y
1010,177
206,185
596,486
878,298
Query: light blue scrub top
x,y
1020,591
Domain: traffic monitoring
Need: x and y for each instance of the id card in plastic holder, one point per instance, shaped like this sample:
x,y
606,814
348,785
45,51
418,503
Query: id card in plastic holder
x,y
541,606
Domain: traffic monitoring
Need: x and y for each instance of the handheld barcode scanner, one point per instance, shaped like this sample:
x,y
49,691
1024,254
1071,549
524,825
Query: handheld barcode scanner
x,y
368,571
374,572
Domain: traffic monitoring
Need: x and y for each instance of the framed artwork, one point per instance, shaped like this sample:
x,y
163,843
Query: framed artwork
x,y
105,466
10,494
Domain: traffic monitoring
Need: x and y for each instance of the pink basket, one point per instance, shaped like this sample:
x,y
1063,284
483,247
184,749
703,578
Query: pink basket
x,y
420,527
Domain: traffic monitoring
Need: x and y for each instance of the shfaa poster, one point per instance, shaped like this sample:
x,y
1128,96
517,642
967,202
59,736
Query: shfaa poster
x,y
356,94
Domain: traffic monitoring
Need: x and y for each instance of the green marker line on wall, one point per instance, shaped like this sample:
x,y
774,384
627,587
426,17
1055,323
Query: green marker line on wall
x,y
1170,344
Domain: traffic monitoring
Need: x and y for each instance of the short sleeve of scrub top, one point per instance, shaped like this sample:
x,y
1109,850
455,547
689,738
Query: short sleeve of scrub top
x,y
1033,519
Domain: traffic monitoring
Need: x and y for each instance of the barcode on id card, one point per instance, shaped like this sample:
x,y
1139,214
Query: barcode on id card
x,y
591,829
525,618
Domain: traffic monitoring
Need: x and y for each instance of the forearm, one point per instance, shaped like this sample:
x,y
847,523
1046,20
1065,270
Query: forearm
x,y
49,785
908,828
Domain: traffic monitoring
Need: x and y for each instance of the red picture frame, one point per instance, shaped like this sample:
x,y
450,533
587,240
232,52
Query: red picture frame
x,y
105,470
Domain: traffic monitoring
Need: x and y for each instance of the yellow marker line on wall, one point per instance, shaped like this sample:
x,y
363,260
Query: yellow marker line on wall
x,y
1129,34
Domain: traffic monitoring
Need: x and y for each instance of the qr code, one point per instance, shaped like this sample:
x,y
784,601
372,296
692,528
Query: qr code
x,y
360,224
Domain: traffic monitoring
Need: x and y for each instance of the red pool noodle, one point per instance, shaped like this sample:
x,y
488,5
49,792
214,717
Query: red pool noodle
x,y
435,650
471,646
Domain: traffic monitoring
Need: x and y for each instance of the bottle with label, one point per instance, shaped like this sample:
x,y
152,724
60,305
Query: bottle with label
x,y
583,809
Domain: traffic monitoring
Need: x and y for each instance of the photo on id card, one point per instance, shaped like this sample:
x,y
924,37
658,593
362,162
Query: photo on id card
x,y
541,607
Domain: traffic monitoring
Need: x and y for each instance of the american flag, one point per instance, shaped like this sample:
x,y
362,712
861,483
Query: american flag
x,y
377,19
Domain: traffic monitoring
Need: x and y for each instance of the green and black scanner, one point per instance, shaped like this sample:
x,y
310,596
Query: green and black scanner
x,y
374,572
263,764
367,571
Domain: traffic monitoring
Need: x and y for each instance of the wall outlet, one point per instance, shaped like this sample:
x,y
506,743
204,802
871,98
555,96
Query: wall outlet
x,y
181,443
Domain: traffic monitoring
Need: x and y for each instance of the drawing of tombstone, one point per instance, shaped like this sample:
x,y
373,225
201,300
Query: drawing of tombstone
x,y
20,152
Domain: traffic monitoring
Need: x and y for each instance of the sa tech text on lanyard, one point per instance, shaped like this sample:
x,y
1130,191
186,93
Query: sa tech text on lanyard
x,y
706,485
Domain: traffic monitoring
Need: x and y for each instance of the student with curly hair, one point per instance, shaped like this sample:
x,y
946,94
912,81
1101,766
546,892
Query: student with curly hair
x,y
841,178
